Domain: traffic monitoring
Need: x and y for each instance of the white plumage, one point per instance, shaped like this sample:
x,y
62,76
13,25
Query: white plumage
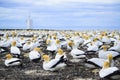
x,y
34,55
15,50
12,62
54,64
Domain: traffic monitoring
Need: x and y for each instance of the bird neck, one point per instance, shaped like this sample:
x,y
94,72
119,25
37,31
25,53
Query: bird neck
x,y
60,53
105,67
105,49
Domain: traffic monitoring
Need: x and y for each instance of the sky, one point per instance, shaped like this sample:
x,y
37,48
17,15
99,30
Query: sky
x,y
60,14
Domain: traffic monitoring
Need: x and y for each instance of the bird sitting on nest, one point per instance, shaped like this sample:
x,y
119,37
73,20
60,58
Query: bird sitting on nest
x,y
35,55
103,53
10,61
98,62
14,50
75,52
110,73
60,53
27,46
54,64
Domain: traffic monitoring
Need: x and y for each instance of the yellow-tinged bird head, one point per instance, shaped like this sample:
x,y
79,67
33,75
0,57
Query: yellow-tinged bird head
x,y
77,34
8,56
92,43
113,34
70,43
95,39
110,57
54,37
86,37
104,33
100,37
46,58
48,41
60,51
35,36
22,38
94,32
57,41
104,47
37,49
13,34
13,43
7,36
28,42
106,64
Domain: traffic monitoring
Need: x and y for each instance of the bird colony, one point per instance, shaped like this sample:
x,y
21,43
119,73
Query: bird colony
x,y
59,55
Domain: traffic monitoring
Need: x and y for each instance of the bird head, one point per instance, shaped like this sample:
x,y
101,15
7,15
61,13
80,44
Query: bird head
x,y
37,49
48,41
13,43
77,34
110,57
86,37
106,64
28,42
8,56
104,47
70,43
57,41
46,58
22,38
7,36
13,34
54,37
60,51
95,39
100,36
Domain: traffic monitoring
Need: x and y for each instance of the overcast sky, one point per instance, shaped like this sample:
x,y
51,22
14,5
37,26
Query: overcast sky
x,y
60,14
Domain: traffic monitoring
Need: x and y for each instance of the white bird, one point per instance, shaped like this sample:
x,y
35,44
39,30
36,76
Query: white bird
x,y
27,46
98,62
10,61
15,51
22,41
76,53
110,73
115,48
54,64
35,55
106,40
6,42
92,48
60,53
103,53
51,45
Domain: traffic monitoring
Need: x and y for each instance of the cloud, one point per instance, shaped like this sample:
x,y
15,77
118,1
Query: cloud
x,y
56,2
57,13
